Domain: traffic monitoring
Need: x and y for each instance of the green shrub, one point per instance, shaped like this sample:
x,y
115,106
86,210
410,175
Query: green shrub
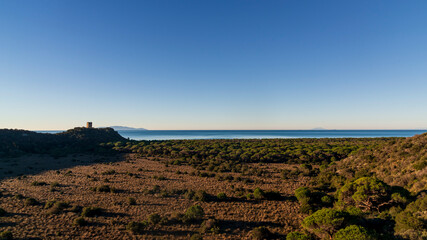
x,y
31,202
325,222
6,235
80,221
327,200
194,213
57,207
366,193
91,212
221,196
201,196
154,218
49,203
303,194
297,236
250,196
354,232
258,194
105,188
136,227
36,183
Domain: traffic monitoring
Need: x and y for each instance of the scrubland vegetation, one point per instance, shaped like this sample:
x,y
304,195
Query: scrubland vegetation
x,y
293,189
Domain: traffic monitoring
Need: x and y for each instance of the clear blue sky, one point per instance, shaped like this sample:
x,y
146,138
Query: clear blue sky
x,y
290,64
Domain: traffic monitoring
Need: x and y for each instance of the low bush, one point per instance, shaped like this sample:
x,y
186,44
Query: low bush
x,y
80,221
136,227
154,218
31,202
58,207
36,183
193,213
258,194
91,211
221,196
201,196
105,188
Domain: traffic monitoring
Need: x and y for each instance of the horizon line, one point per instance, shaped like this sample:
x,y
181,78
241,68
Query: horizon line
x,y
337,129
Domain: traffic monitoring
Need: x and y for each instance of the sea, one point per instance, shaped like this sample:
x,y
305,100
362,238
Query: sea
x,y
258,134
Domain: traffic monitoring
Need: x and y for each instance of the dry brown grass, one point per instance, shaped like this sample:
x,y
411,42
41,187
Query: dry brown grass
x,y
131,177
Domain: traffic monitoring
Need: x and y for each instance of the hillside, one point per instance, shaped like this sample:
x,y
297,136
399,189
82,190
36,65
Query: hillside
x,y
401,162
17,142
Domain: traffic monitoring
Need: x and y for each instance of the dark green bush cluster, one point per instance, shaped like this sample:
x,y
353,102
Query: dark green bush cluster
x,y
366,209
199,195
31,202
259,194
202,174
411,223
80,221
193,214
311,200
155,189
230,155
221,196
136,227
104,188
92,212
55,207
371,194
36,183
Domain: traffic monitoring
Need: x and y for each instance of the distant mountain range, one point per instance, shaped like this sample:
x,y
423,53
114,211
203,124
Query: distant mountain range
x,y
318,128
120,128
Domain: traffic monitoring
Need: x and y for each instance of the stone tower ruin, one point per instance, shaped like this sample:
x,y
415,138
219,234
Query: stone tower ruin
x,y
89,125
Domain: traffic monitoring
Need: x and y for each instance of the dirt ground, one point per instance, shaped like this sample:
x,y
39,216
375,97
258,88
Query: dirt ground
x,y
73,178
